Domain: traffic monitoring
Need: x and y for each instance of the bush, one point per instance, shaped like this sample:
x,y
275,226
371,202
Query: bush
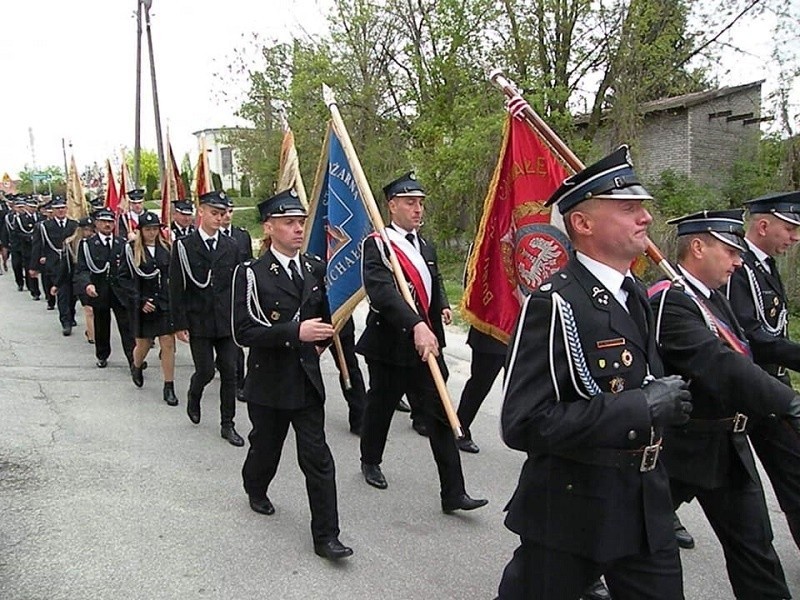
x,y
244,185
156,195
232,192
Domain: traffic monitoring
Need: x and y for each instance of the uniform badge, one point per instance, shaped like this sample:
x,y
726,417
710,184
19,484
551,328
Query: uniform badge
x,y
546,287
612,343
274,315
773,311
307,265
274,268
601,363
775,301
626,357
617,384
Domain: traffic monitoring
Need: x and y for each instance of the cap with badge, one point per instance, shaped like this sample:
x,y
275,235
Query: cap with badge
x,y
32,201
183,206
725,225
85,222
58,202
404,186
136,195
784,205
611,178
103,214
149,219
20,201
283,204
215,199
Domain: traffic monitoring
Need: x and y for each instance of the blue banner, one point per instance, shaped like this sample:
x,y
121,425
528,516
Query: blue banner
x,y
339,225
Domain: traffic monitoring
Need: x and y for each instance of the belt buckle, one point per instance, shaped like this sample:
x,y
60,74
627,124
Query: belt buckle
x,y
739,423
650,457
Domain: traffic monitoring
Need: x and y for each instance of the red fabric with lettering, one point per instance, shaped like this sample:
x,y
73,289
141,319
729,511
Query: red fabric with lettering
x,y
526,175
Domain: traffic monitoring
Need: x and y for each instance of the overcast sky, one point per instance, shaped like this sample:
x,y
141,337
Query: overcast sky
x,y
68,70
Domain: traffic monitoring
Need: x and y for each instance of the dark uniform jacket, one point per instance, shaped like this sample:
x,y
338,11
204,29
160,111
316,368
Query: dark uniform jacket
x,y
267,315
389,335
141,289
204,311
25,229
723,383
12,233
758,299
243,241
107,262
573,391
178,232
48,243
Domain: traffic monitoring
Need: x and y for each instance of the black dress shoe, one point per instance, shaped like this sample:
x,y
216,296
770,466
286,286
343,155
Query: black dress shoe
x,y
169,395
193,409
101,363
37,298
262,505
240,395
374,476
420,428
467,445
332,550
685,539
597,591
74,323
50,307
137,376
462,502
403,406
66,330
144,365
20,288
229,433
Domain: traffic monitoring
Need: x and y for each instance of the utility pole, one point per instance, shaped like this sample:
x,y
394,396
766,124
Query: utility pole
x,y
64,152
33,158
137,144
159,140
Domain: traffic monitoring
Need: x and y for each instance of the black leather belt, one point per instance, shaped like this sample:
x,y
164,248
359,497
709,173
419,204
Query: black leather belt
x,y
644,459
735,424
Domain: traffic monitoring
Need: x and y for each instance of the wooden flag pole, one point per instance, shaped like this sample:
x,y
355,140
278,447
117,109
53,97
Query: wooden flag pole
x,y
377,222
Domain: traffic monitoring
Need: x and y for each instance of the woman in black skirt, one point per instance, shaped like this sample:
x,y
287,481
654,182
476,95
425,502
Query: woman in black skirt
x,y
145,274
65,272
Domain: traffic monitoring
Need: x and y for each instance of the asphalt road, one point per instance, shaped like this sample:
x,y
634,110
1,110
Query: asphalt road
x,y
108,493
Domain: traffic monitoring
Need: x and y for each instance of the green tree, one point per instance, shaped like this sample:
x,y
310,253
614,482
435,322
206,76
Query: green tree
x,y
54,179
148,165
244,186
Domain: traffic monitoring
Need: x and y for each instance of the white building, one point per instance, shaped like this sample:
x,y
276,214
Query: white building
x,y
221,156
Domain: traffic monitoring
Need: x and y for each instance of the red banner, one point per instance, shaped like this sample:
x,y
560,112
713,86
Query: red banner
x,y
516,248
112,197
172,188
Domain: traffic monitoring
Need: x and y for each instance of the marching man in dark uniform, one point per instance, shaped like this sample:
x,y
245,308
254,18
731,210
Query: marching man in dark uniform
x,y
586,399
200,278
182,219
97,276
759,301
709,458
13,234
27,222
280,312
129,221
48,247
397,341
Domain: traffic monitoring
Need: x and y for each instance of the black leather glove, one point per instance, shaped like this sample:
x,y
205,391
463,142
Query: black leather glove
x,y
668,400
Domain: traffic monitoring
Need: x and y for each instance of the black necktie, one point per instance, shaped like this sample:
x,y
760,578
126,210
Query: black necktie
x,y
210,244
411,237
773,267
296,279
635,305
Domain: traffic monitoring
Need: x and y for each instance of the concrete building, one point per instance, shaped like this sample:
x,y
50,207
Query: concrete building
x,y
700,135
